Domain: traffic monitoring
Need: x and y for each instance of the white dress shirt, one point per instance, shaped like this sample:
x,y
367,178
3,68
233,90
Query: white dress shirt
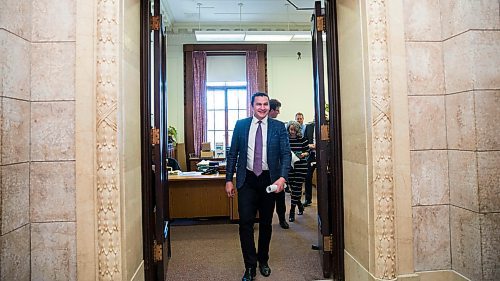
x,y
251,143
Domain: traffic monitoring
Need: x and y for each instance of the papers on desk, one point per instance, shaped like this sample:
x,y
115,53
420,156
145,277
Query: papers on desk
x,y
190,174
203,163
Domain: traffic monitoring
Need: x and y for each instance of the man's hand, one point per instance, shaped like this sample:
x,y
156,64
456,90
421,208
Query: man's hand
x,y
279,182
230,189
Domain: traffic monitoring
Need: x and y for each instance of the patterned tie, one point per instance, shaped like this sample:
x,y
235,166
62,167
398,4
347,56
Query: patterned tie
x,y
257,156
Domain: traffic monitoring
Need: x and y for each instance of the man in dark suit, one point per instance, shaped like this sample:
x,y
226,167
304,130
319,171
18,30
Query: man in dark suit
x,y
311,163
274,111
260,156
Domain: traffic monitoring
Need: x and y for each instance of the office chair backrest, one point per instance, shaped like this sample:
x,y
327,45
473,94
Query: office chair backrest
x,y
171,162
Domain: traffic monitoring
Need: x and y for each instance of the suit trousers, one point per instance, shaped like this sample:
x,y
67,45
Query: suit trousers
x,y
280,205
252,197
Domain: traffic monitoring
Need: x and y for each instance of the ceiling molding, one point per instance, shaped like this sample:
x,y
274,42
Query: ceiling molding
x,y
168,16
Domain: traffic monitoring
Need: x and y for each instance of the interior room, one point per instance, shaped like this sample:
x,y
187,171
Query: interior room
x,y
416,158
288,77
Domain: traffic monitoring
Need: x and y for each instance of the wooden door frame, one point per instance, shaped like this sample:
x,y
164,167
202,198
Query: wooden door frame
x,y
146,151
154,199
329,153
337,194
322,143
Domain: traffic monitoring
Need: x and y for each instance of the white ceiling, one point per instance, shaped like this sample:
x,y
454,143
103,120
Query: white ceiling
x,y
226,13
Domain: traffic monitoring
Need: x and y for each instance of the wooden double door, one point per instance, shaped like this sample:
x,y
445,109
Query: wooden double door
x,y
156,228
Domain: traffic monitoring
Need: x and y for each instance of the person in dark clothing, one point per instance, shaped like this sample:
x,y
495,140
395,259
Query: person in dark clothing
x,y
274,108
274,111
311,164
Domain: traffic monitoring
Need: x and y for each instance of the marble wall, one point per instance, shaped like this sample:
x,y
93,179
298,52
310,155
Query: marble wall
x,y
15,111
453,78
52,171
37,43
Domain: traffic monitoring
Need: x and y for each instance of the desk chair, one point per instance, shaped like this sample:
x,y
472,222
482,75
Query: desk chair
x,y
171,162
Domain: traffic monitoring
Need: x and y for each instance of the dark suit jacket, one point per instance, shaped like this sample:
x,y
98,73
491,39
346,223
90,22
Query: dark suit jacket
x,y
309,134
278,151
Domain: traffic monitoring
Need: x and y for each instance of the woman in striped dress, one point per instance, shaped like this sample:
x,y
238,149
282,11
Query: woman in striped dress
x,y
297,175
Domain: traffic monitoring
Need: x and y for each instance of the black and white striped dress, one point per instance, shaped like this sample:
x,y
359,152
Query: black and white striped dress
x,y
298,173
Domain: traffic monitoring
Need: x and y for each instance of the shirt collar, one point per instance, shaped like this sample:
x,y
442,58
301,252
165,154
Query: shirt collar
x,y
264,121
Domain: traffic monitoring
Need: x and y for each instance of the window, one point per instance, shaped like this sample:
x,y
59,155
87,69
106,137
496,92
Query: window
x,y
198,77
226,103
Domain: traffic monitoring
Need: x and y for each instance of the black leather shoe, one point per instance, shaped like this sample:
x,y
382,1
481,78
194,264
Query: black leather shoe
x,y
264,269
249,275
307,203
284,224
291,218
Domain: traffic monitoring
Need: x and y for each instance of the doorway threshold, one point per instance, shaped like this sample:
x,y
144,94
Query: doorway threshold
x,y
200,221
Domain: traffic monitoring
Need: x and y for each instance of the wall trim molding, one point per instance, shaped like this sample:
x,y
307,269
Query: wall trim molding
x,y
356,271
108,209
139,273
382,141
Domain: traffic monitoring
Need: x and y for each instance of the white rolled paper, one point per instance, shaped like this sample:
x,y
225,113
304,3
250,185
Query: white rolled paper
x,y
271,188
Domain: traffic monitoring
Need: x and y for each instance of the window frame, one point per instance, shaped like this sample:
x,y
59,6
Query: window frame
x,y
226,89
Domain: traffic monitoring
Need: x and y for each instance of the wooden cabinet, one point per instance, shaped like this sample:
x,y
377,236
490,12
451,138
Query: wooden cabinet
x,y
200,196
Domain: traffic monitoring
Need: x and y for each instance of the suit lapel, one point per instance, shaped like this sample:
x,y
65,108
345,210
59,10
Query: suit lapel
x,y
247,132
270,128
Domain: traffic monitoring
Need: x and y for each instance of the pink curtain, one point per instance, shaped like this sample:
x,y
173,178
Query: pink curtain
x,y
252,71
199,100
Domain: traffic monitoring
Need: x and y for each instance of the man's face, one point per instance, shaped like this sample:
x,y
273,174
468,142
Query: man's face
x,y
299,118
260,107
274,113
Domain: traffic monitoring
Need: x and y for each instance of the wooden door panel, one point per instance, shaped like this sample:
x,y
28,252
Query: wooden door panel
x,y
156,231
328,148
336,178
322,140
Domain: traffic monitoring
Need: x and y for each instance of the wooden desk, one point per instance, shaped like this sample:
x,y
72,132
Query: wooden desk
x,y
200,196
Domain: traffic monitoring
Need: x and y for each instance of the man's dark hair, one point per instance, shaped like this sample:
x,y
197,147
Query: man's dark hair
x,y
258,94
274,104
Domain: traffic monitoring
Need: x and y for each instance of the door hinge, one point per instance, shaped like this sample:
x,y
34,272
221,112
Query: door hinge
x,y
157,252
320,23
155,23
155,136
328,243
